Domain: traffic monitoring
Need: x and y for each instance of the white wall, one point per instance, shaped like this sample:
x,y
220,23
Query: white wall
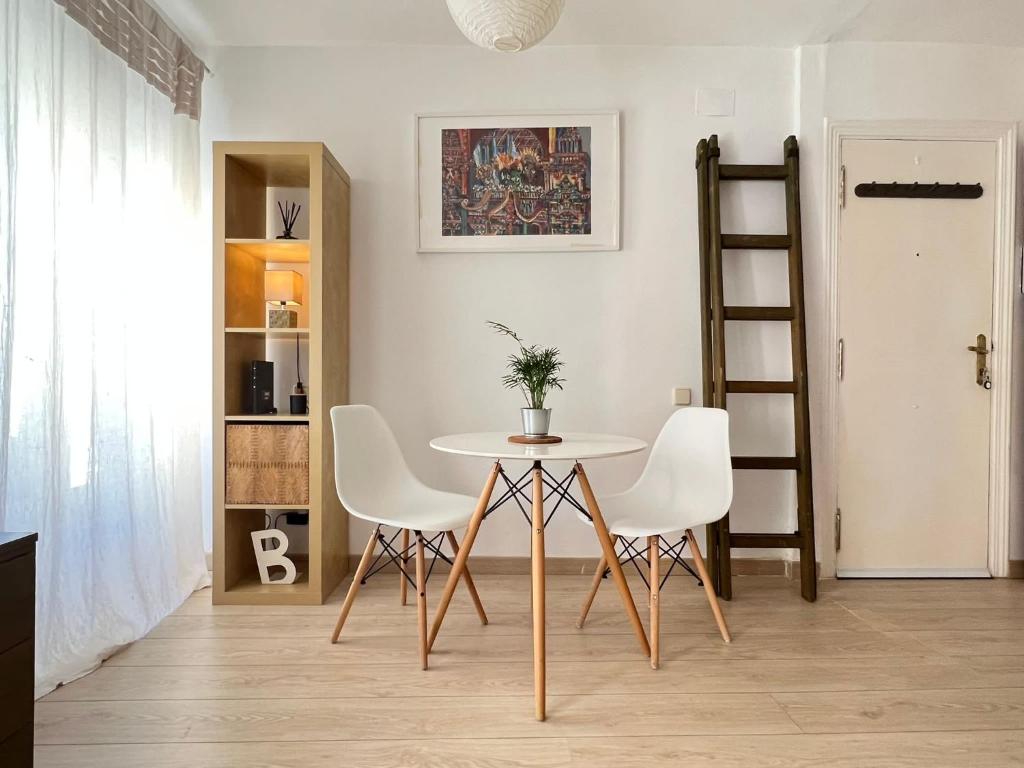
x,y
901,81
627,321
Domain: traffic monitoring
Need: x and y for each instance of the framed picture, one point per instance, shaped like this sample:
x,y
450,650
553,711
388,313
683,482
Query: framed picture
x,y
518,182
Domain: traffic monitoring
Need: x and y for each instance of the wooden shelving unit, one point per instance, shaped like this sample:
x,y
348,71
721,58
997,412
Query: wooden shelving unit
x,y
243,250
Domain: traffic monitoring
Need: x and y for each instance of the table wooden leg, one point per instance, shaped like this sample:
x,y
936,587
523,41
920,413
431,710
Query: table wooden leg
x,y
613,562
654,545
537,557
709,590
469,579
460,559
364,564
403,589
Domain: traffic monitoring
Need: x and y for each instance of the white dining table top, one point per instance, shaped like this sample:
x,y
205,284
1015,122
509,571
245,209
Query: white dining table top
x,y
574,445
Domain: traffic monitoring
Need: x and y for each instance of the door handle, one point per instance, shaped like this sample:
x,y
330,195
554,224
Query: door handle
x,y
981,351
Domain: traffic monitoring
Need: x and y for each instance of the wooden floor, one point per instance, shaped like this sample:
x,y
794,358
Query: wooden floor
x,y
893,673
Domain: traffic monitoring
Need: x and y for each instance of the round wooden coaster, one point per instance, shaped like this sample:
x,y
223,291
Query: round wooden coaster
x,y
526,440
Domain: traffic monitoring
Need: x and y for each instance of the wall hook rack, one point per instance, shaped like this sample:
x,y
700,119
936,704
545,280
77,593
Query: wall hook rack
x,y
934,191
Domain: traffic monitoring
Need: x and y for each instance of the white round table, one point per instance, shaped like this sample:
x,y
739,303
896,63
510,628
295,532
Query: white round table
x,y
574,447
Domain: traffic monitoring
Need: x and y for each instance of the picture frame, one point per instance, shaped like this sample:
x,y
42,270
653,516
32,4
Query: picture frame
x,y
518,181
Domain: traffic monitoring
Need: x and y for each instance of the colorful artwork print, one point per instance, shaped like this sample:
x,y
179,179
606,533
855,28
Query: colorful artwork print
x,y
515,181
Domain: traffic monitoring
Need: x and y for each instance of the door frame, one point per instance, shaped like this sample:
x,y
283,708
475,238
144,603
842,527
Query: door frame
x,y
1004,136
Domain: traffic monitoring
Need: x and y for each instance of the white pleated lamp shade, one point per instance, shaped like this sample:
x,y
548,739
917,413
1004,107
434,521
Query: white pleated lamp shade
x,y
505,25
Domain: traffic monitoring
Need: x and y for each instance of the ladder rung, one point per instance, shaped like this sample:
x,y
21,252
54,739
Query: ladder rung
x,y
765,462
759,313
756,242
752,172
767,540
761,387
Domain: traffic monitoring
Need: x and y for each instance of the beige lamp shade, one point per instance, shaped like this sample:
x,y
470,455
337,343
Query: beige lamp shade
x,y
282,287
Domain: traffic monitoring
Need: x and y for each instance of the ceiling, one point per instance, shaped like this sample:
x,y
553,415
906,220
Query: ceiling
x,y
768,23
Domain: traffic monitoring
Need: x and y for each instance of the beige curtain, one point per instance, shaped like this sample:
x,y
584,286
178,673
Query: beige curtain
x,y
135,31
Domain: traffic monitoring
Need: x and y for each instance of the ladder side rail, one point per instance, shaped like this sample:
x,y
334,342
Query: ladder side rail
x,y
724,585
798,340
707,381
705,275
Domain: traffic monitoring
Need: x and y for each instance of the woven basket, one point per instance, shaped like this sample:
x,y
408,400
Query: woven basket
x,y
267,464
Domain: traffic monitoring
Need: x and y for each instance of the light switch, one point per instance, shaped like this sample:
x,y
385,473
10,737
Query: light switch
x,y
715,102
681,396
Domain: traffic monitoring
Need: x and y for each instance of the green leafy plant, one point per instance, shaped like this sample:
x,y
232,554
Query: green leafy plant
x,y
533,370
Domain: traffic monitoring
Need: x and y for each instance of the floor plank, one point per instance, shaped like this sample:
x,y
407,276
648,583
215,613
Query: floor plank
x,y
939,617
59,722
991,750
998,749
934,710
461,649
692,618
995,749
981,642
1009,669
382,753
512,594
113,683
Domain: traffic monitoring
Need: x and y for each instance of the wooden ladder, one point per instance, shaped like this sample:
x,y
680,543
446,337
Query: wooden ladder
x,y
714,315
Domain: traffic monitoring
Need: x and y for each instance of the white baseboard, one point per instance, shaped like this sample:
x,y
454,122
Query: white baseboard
x,y
584,566
913,573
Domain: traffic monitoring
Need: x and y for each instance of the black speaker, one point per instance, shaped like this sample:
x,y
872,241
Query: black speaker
x,y
259,387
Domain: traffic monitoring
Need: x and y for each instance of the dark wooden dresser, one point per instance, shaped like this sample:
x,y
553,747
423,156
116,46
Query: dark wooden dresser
x,y
17,647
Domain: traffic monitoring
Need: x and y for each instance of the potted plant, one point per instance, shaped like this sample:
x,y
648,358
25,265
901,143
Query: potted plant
x,y
534,372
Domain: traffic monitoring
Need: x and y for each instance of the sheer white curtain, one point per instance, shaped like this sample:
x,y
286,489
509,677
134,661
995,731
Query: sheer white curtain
x,y
104,362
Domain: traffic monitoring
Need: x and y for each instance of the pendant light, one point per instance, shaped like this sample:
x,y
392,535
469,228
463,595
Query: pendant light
x,y
505,25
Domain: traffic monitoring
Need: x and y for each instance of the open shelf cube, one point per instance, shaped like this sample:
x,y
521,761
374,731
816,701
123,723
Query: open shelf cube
x,y
281,251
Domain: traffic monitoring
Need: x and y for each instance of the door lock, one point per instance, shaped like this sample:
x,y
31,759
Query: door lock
x,y
981,351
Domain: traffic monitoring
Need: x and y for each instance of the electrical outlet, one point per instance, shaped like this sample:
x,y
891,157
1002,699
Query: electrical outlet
x,y
681,396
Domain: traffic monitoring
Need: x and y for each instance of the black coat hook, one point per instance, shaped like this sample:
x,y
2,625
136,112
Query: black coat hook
x,y
934,191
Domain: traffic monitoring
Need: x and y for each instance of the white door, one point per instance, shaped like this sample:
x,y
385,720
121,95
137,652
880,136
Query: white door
x,y
915,290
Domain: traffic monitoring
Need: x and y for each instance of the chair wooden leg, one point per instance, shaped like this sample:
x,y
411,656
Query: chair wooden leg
x,y
601,529
403,561
453,542
460,559
602,566
654,545
709,588
364,564
421,596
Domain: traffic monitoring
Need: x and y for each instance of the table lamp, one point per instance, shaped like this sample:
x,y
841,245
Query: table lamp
x,y
282,288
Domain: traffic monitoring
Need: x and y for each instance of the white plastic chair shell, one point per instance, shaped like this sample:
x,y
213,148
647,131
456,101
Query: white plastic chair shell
x,y
687,481
374,482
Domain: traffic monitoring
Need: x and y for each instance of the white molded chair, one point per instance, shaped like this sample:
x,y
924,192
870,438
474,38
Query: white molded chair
x,y
374,483
687,482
